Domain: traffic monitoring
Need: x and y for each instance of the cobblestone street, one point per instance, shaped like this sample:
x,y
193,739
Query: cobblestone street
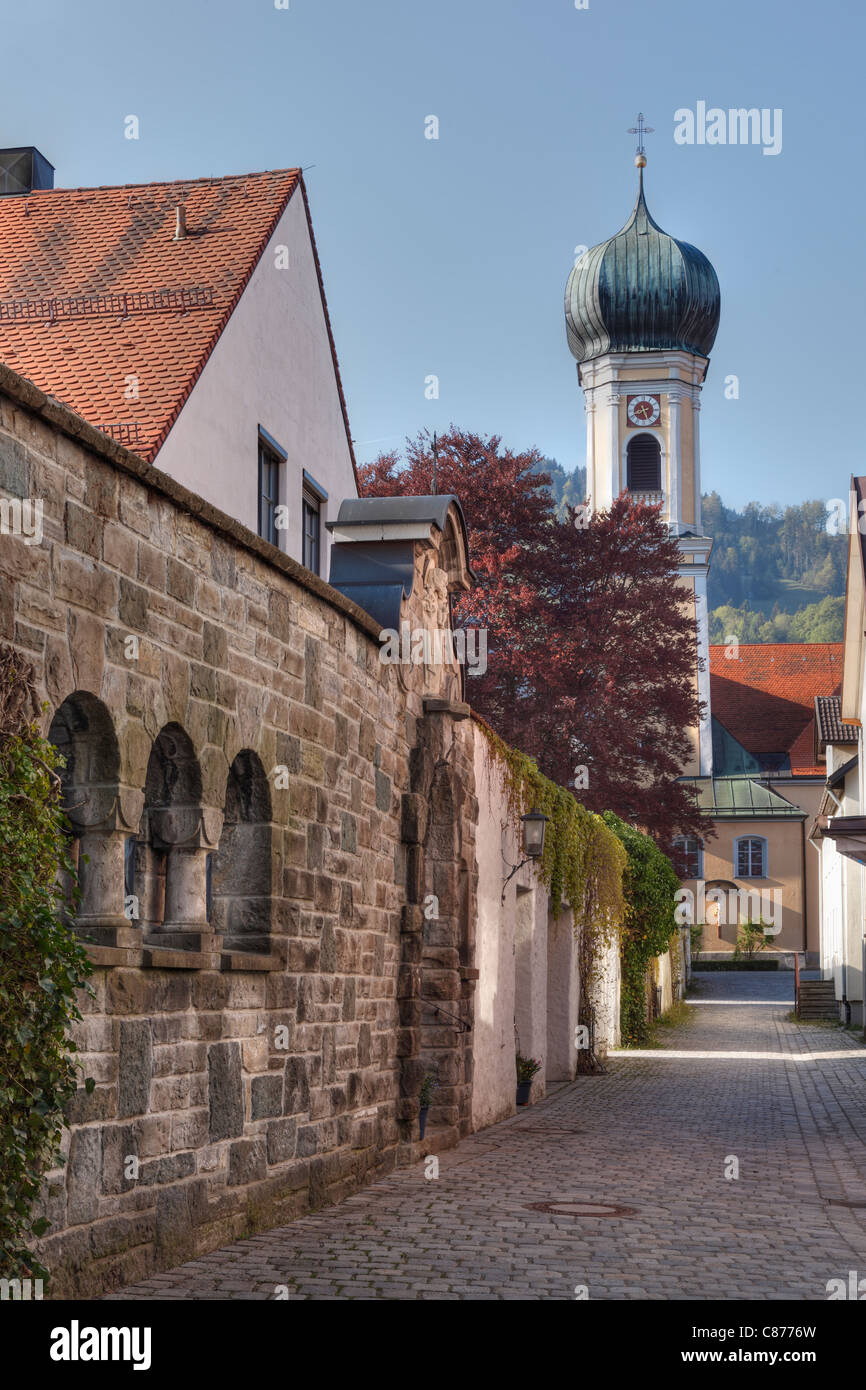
x,y
654,1135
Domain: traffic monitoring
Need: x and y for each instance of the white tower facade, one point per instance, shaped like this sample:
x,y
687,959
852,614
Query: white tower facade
x,y
642,311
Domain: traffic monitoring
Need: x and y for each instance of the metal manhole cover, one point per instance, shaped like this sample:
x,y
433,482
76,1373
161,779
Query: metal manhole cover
x,y
578,1208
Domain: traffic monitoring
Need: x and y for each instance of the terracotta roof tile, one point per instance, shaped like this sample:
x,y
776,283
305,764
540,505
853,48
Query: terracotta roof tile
x,y
97,245
766,697
828,717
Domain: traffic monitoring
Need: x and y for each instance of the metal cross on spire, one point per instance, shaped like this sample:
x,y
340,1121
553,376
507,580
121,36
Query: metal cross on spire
x,y
640,130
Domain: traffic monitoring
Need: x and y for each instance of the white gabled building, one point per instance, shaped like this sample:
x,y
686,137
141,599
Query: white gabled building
x,y
188,321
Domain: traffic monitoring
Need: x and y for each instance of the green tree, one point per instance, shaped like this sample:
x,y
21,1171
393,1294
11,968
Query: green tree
x,y
817,622
42,967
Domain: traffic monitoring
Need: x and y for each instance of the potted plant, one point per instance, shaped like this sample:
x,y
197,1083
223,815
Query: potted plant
x,y
526,1069
425,1096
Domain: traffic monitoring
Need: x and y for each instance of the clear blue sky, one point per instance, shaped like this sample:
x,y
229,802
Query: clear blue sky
x,y
450,256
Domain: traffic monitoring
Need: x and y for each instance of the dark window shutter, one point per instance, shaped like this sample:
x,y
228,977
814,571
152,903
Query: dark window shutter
x,y
644,464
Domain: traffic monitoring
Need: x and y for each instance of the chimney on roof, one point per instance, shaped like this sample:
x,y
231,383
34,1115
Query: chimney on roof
x,y
180,225
24,170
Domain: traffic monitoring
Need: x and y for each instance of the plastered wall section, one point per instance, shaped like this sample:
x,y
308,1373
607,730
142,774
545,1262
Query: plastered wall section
x,y
273,367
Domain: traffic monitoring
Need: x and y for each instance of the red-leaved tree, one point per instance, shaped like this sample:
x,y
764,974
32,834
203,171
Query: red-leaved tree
x,y
591,650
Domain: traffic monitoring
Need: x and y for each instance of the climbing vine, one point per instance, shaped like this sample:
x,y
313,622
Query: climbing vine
x,y
583,864
41,968
650,884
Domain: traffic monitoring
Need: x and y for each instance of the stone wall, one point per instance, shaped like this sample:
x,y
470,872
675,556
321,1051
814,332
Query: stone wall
x,y
276,837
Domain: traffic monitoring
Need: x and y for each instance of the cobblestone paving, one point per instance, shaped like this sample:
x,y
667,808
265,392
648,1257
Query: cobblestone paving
x,y
655,1134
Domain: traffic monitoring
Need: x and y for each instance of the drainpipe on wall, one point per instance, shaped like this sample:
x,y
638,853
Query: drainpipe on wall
x,y
805,894
844,921
818,850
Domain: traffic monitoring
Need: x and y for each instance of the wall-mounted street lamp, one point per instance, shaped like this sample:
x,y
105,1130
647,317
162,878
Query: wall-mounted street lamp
x,y
534,825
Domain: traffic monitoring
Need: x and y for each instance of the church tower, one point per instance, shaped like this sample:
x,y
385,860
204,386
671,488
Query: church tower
x,y
641,313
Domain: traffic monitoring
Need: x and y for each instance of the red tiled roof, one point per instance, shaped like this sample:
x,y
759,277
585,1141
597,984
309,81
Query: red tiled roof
x,y
766,697
83,243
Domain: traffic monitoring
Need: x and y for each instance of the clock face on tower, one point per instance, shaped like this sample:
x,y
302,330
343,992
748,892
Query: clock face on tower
x,y
643,410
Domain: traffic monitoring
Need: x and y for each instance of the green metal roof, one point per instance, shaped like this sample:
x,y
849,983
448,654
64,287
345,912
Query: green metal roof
x,y
739,798
640,291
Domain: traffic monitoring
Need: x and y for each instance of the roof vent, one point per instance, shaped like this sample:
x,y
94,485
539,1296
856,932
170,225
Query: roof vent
x,y
24,170
180,223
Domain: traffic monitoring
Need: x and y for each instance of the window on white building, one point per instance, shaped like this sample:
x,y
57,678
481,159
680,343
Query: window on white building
x,y
269,491
312,532
313,501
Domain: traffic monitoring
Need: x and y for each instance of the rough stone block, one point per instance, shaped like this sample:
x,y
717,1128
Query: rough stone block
x,y
133,605
349,999
383,792
100,1104
296,1093
225,1090
215,645
119,1146
82,529
84,1171
328,952
313,679
135,1066
247,1162
308,1141
78,580
281,1140
180,581
266,1096
13,466
413,826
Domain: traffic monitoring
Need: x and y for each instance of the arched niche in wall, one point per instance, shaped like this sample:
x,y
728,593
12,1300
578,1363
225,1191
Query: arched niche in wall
x,y
177,833
97,807
241,867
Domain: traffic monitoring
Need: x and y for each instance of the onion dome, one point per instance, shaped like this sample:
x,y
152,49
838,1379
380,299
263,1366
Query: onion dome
x,y
641,291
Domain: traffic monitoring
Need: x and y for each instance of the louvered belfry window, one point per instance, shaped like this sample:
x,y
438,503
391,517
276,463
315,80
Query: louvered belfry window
x,y
644,461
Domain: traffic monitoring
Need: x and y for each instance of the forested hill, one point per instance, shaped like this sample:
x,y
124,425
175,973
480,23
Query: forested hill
x,y
569,489
776,574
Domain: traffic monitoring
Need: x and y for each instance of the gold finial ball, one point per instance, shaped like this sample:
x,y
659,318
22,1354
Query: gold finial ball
x,y
640,161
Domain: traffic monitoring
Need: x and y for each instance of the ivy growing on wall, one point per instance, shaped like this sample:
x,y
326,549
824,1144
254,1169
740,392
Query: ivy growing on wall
x,y
583,864
42,966
650,884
